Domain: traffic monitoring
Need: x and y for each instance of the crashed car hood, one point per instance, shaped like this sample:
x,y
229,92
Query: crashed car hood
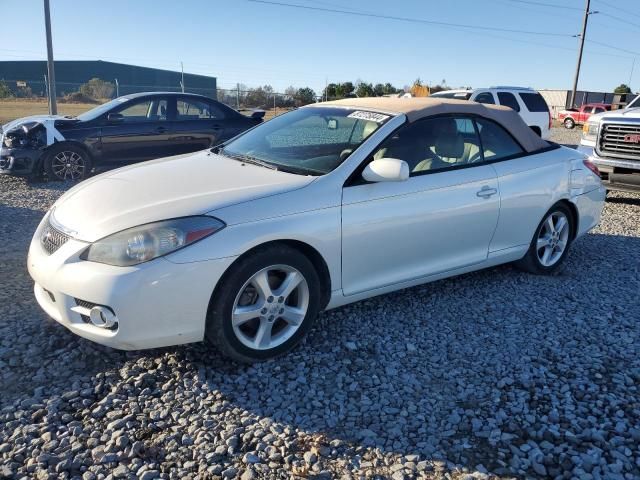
x,y
172,187
44,119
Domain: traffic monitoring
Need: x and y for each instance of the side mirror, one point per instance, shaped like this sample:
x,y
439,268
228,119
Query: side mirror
x,y
115,118
258,114
386,170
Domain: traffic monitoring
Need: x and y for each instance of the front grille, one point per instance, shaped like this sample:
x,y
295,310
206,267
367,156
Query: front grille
x,y
52,239
619,140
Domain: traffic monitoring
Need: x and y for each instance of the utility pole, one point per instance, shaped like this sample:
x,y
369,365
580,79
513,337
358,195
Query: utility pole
x,y
633,64
238,96
53,106
182,81
584,34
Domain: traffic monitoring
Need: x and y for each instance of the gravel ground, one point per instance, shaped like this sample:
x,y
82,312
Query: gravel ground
x,y
564,136
491,374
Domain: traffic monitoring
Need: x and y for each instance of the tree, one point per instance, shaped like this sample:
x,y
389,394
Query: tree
x,y
305,96
364,90
5,91
622,88
97,88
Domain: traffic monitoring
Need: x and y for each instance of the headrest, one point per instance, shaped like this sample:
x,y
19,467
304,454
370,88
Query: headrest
x,y
449,143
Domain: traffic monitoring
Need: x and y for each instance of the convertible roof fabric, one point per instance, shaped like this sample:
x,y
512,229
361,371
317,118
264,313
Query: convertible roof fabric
x,y
416,108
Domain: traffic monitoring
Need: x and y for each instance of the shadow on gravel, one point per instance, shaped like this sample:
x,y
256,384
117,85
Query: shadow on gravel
x,y
466,369
624,200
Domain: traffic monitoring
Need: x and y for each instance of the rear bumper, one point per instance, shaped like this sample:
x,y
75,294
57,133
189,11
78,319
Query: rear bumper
x,y
617,174
589,207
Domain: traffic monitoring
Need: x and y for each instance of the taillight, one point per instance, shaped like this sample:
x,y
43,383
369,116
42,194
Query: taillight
x,y
591,166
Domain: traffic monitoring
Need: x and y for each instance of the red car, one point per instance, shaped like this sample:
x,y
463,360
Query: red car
x,y
572,116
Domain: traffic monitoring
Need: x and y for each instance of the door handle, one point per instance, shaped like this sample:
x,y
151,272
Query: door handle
x,y
161,129
216,127
486,192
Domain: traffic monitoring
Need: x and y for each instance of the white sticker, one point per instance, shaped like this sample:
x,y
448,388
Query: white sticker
x,y
371,116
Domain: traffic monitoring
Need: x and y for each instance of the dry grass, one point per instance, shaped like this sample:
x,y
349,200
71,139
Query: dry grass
x,y
12,109
16,108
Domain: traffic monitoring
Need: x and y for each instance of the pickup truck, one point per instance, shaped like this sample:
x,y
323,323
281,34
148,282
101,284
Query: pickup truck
x,y
572,117
611,140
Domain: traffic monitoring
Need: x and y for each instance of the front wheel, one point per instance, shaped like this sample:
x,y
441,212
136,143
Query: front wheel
x,y
569,123
265,304
551,242
67,162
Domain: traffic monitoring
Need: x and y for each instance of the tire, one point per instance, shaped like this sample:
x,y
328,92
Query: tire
x,y
67,162
569,123
534,260
250,289
537,131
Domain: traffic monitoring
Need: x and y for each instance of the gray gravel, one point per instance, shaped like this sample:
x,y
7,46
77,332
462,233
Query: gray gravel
x,y
495,371
564,136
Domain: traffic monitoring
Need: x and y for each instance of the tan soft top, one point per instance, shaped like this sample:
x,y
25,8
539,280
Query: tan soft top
x,y
416,108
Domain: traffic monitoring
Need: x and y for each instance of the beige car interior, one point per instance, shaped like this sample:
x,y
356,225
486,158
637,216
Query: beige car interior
x,y
439,146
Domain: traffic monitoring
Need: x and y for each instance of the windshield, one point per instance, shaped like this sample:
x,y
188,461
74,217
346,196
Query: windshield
x,y
635,103
309,141
100,109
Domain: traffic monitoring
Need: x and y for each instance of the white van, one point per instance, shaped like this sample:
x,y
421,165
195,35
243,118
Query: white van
x,y
526,101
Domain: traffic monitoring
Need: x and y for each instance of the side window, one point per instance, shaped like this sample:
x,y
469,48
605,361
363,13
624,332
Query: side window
x,y
598,110
433,144
193,109
152,109
508,100
496,141
485,97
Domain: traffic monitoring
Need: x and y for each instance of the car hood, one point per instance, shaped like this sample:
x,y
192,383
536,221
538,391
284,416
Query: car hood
x,y
44,119
192,184
622,115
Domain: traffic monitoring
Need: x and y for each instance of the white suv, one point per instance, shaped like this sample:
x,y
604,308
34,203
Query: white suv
x,y
526,101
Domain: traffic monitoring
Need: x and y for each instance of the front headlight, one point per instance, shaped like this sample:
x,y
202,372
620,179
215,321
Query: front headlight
x,y
140,244
590,131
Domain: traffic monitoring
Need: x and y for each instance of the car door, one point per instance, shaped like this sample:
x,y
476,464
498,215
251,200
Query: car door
x,y
138,131
197,124
524,181
440,219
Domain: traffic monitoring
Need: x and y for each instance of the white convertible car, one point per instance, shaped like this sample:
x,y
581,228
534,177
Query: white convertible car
x,y
242,245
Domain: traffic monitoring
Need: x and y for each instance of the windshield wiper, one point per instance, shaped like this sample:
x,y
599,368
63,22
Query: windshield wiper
x,y
248,159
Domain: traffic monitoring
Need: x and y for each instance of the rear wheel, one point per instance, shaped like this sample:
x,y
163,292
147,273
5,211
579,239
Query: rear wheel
x,y
67,162
551,242
265,305
569,123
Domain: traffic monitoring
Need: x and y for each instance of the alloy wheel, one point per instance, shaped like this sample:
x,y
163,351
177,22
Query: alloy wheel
x,y
270,307
553,239
68,165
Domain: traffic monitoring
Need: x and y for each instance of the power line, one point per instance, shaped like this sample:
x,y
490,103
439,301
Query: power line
x,y
614,47
411,20
543,4
619,19
615,7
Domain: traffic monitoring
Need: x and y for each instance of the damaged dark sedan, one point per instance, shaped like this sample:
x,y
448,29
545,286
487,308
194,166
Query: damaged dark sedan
x,y
126,130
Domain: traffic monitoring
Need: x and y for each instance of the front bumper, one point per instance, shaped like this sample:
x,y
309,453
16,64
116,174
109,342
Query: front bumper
x,y
156,304
19,161
617,173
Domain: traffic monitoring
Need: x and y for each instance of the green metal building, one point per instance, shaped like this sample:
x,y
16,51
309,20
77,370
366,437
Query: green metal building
x,y
26,75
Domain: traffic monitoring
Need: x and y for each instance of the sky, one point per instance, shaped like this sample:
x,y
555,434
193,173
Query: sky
x,y
243,41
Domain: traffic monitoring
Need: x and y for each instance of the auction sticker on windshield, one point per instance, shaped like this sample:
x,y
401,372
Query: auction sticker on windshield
x,y
371,116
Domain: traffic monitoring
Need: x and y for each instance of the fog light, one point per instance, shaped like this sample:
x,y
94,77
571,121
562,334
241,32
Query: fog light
x,y
102,317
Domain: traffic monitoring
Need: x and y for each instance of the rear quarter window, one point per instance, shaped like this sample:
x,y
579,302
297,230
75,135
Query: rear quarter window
x,y
534,102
